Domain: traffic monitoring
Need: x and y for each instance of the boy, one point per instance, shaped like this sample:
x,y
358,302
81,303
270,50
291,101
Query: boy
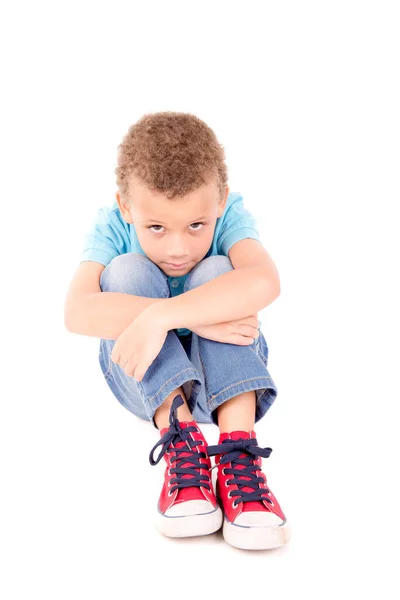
x,y
171,280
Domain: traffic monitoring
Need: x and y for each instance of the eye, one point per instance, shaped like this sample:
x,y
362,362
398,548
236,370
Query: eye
x,y
198,229
158,230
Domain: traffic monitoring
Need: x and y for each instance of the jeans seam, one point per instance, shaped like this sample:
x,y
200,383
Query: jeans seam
x,y
166,382
236,384
108,372
205,375
259,351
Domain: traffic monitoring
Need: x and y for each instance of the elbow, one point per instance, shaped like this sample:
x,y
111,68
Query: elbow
x,y
68,320
271,289
278,288
276,285
270,284
67,323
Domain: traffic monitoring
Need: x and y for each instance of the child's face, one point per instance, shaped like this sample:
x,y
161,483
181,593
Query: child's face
x,y
174,231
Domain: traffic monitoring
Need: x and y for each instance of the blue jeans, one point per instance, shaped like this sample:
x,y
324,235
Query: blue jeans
x,y
209,372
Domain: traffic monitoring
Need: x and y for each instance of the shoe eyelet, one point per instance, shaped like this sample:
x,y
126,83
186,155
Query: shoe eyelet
x,y
226,483
223,471
170,493
272,504
229,495
234,504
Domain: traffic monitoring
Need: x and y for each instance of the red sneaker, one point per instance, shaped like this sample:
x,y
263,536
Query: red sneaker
x,y
187,505
253,518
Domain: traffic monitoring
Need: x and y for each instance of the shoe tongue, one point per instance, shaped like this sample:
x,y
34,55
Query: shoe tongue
x,y
189,493
246,435
183,425
236,435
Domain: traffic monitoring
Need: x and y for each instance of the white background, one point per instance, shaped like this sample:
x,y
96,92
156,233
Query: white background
x,y
304,97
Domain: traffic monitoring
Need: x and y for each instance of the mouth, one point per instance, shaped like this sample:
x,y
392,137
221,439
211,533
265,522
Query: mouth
x,y
173,266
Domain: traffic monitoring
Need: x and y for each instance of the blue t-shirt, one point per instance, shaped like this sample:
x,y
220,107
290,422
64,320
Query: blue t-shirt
x,y
111,236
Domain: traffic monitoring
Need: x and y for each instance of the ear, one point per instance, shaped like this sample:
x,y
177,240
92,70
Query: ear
x,y
124,209
222,203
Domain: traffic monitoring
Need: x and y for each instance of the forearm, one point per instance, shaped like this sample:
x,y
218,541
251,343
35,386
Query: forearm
x,y
234,295
106,314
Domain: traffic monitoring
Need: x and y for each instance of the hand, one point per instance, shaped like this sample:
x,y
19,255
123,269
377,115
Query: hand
x,y
139,344
241,332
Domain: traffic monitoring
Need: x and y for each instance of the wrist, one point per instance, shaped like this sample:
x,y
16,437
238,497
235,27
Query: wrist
x,y
160,313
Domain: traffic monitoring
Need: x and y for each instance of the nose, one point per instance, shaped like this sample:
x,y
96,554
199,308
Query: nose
x,y
176,254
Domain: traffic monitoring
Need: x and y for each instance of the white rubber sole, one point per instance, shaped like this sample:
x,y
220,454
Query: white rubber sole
x,y
190,525
256,537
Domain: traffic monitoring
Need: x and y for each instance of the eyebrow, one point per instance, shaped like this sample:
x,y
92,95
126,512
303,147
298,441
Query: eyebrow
x,y
156,221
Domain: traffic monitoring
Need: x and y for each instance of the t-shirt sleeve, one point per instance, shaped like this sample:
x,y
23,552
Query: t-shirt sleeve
x,y
107,238
238,225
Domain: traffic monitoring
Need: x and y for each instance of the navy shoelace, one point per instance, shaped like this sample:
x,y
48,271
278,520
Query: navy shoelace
x,y
174,435
230,451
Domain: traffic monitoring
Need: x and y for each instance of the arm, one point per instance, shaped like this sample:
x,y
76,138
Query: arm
x,y
90,311
105,314
251,286
230,296
223,298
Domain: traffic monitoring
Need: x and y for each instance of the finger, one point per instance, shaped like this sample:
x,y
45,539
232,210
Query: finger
x,y
129,369
115,357
241,340
138,375
116,351
249,331
142,369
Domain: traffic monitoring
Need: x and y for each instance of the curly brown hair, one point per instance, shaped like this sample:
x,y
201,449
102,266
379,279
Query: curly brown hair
x,y
172,153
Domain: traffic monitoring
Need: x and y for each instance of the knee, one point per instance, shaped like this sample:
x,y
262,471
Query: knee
x,y
208,269
135,274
